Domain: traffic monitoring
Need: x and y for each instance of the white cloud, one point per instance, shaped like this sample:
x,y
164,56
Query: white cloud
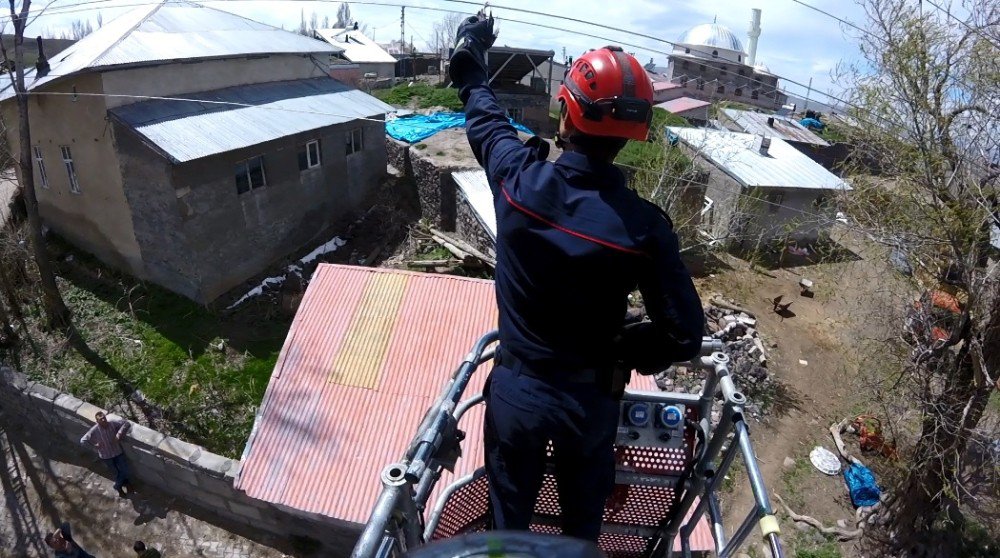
x,y
796,43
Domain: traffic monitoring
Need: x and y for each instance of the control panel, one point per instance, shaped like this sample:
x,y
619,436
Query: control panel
x,y
651,424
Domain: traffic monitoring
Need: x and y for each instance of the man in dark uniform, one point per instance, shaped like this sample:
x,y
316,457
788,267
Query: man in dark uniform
x,y
572,242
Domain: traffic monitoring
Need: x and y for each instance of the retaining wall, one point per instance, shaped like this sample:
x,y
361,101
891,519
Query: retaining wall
x,y
186,471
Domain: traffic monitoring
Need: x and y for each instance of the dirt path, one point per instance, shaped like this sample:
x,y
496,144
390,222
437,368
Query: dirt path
x,y
815,363
44,486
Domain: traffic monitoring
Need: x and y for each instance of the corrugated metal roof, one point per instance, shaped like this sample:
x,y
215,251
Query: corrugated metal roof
x,y
683,104
186,130
171,30
784,127
712,35
665,85
783,166
356,46
476,188
319,443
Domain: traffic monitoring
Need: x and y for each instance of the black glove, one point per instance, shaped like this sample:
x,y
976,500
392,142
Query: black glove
x,y
468,62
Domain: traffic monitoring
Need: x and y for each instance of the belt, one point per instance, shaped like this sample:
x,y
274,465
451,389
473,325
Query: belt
x,y
572,376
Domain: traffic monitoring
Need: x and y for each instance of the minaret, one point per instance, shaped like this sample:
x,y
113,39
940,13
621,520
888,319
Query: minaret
x,y
753,34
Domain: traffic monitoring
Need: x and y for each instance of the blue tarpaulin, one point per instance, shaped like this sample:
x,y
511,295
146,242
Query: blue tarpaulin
x,y
861,483
412,129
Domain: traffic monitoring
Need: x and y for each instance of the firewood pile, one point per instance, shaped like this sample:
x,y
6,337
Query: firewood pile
x,y
737,328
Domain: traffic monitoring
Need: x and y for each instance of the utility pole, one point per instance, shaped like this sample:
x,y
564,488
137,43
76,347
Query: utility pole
x,y
402,29
808,92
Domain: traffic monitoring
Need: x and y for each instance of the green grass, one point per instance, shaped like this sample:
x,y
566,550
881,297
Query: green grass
x,y
828,550
205,371
651,155
791,479
420,96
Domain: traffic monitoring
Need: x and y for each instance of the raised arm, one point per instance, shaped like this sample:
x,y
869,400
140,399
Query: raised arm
x,y
493,139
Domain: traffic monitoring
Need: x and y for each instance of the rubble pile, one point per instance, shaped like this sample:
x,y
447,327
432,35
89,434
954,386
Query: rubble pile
x,y
737,328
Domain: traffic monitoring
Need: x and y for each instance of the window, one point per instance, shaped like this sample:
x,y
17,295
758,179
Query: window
x,y
74,185
687,51
722,70
701,84
685,64
742,72
739,92
515,114
684,81
701,67
250,174
774,200
355,141
40,163
715,54
739,58
309,155
721,90
755,94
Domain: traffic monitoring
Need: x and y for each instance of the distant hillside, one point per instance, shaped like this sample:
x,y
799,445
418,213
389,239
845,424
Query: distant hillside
x,y
51,47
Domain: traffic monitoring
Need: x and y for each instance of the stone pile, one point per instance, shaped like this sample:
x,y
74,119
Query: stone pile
x,y
737,328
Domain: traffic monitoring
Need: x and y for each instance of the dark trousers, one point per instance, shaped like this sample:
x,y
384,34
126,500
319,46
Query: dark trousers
x,y
523,414
119,468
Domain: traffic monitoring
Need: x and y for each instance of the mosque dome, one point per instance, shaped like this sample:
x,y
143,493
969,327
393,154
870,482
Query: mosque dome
x,y
711,35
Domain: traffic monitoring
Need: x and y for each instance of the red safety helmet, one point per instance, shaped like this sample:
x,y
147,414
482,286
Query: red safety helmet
x,y
608,93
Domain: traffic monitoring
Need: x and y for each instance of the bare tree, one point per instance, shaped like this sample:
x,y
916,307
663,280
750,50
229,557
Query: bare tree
x,y
57,313
344,15
443,35
927,100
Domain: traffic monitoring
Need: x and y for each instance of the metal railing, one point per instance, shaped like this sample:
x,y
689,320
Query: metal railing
x,y
397,522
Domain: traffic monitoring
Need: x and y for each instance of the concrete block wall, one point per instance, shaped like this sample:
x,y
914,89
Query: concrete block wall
x,y
187,471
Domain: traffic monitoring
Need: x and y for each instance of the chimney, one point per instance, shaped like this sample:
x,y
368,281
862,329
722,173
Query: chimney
x,y
761,144
770,121
42,64
754,33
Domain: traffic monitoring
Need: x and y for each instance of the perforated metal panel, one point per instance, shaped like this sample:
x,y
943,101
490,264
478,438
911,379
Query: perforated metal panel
x,y
630,505
467,511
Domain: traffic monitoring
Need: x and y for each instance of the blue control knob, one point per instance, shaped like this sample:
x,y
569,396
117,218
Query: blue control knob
x,y
671,416
638,414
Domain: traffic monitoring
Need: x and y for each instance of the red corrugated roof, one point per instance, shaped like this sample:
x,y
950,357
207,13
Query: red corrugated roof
x,y
665,85
367,353
682,104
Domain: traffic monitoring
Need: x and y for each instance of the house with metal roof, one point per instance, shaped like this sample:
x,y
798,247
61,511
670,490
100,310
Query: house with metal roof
x,y
193,148
760,188
694,110
522,79
353,45
788,129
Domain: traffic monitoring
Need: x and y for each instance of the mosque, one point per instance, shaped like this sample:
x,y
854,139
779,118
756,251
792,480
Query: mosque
x,y
708,62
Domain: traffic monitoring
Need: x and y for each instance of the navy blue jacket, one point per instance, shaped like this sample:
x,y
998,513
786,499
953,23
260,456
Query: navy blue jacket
x,y
572,242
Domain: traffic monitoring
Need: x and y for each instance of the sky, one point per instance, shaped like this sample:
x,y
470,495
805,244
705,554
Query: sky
x,y
796,43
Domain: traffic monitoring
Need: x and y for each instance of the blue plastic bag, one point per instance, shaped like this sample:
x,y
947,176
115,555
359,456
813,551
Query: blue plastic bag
x,y
862,486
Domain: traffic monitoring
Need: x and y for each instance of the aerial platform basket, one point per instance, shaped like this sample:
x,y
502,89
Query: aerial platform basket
x,y
670,462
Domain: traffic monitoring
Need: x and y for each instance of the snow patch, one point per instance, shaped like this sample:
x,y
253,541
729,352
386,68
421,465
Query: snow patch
x,y
278,280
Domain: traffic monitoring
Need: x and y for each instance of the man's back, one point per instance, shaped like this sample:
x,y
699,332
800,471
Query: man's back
x,y
572,242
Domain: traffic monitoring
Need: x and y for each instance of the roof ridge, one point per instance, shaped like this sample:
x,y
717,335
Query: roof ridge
x,y
130,30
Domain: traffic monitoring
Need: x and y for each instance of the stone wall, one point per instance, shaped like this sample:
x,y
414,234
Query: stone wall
x,y
186,471
468,227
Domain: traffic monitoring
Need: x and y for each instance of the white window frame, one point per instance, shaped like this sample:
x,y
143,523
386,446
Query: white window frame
x,y
67,156
245,163
36,150
310,163
355,141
